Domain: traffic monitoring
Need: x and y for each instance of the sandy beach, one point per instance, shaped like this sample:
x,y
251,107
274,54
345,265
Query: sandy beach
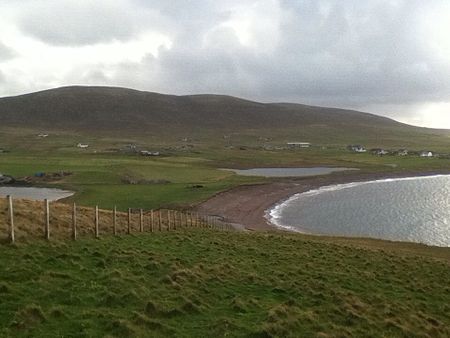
x,y
245,206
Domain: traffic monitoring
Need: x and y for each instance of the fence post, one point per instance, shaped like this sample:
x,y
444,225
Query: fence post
x,y
129,221
47,219
159,220
141,220
151,220
174,214
11,219
96,222
115,221
168,220
74,222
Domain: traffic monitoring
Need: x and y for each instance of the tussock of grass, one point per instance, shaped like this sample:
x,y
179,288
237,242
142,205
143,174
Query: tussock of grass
x,y
203,283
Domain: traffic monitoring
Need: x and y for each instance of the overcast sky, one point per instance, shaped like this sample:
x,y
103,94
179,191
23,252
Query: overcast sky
x,y
390,57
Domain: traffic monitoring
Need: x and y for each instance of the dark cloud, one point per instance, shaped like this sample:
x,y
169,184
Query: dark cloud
x,y
329,52
326,52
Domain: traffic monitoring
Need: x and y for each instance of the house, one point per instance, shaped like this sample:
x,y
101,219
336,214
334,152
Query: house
x,y
299,144
426,153
42,135
357,148
402,152
379,151
149,153
81,145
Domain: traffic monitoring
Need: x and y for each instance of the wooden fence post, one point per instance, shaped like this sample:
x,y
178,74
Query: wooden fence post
x,y
152,218
47,219
74,222
115,221
12,237
141,220
175,213
96,222
159,220
129,221
168,220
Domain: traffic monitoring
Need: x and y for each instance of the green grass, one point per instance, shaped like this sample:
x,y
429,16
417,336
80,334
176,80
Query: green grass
x,y
205,283
98,178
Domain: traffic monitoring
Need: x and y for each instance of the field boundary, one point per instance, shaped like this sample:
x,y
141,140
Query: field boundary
x,y
47,220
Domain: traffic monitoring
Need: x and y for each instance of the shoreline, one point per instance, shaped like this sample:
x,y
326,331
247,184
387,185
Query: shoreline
x,y
246,206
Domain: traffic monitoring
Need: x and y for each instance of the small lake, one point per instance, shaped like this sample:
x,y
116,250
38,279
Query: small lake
x,y
415,209
37,194
288,172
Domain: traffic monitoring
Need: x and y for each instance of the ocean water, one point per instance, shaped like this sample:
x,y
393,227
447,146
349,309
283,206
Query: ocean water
x,y
38,194
415,209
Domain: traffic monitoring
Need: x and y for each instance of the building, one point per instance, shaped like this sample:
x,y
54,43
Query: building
x,y
299,144
81,145
379,151
149,153
357,148
402,152
426,153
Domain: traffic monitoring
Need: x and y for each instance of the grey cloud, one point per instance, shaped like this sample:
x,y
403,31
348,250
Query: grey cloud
x,y
326,52
6,53
354,53
74,23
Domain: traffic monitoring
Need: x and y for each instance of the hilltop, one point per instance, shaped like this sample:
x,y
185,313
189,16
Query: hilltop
x,y
132,112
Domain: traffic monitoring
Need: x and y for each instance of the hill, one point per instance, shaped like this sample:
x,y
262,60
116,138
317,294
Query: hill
x,y
111,109
205,283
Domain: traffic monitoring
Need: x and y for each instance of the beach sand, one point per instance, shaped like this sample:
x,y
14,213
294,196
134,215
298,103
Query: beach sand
x,y
246,206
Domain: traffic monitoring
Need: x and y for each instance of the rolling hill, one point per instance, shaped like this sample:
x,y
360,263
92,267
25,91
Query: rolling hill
x,y
112,109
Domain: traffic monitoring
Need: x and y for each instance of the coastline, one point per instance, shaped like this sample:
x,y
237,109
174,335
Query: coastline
x,y
246,206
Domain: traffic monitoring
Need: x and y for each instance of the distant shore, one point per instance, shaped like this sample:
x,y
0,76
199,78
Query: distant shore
x,y
246,206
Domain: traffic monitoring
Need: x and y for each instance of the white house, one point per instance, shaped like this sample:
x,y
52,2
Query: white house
x,y
299,144
357,148
380,152
81,145
42,135
426,153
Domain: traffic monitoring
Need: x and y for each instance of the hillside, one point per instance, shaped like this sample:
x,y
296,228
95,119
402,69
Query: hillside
x,y
110,109
204,283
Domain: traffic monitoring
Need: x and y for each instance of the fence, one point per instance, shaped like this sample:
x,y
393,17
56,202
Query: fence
x,y
28,219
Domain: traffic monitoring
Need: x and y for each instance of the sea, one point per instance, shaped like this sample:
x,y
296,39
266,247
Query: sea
x,y
414,209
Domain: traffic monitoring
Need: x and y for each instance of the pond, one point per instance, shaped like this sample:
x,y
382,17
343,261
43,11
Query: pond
x,y
33,193
288,172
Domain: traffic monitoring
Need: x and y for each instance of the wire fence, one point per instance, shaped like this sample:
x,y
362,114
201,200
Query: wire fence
x,y
25,219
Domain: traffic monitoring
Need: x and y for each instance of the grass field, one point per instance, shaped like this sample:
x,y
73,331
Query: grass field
x,y
205,283
180,178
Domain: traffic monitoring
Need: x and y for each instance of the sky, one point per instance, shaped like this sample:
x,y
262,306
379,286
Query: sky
x,y
389,57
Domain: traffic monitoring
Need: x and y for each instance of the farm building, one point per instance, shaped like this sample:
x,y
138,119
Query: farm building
x,y
299,144
357,148
379,151
426,153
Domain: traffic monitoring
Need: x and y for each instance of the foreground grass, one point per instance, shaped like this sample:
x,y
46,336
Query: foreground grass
x,y
205,283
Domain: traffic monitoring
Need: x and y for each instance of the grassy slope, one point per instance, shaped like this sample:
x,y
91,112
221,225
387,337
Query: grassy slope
x,y
112,112
206,283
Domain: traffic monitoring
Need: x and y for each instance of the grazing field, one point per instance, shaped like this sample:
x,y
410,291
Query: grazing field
x,y
205,283
179,178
